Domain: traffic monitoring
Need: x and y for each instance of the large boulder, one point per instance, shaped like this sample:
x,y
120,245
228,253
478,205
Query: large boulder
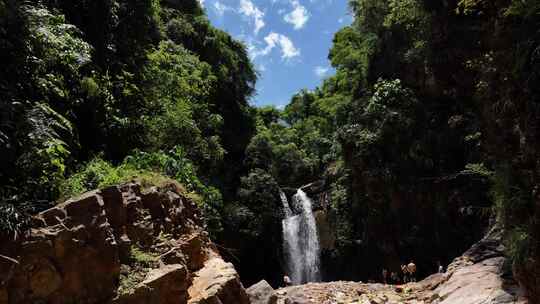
x,y
217,283
262,293
481,275
70,254
479,283
314,188
164,285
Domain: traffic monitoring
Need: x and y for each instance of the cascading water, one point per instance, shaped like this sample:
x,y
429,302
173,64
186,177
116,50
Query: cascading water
x,y
300,240
291,242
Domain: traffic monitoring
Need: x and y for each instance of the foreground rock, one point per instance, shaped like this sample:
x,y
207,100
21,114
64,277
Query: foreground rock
x,y
119,245
262,293
479,276
217,282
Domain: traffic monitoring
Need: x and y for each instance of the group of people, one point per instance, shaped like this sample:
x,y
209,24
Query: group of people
x,y
408,274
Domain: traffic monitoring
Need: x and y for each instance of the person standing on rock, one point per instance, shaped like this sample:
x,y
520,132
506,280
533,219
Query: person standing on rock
x,y
441,268
385,276
394,278
287,281
411,268
405,274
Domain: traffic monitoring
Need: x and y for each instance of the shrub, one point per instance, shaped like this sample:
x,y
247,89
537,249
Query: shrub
x,y
133,274
150,169
99,173
518,244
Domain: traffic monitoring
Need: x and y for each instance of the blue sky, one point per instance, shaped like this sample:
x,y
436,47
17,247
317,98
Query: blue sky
x,y
288,40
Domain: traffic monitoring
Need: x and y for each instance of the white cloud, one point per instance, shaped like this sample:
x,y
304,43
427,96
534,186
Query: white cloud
x,y
201,2
221,8
252,49
280,106
248,9
298,17
288,50
321,71
275,40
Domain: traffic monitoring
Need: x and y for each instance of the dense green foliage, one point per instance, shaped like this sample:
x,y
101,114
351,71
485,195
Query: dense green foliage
x,y
124,80
150,169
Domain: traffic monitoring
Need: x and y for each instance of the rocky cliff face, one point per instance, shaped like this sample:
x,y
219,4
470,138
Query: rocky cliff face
x,y
118,245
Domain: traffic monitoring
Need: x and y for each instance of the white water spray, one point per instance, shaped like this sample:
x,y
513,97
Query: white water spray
x,y
300,240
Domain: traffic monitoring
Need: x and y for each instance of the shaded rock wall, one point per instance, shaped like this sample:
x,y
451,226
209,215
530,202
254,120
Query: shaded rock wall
x,y
326,230
118,245
433,221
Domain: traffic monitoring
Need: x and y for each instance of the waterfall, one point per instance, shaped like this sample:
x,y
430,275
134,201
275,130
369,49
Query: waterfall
x,y
286,208
291,241
300,240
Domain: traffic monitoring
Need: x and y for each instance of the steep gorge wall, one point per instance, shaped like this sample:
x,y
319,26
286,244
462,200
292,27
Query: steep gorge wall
x,y
118,245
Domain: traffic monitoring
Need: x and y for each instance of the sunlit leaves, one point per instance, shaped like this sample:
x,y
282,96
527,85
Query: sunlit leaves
x,y
177,87
351,54
385,121
407,13
177,74
45,135
54,47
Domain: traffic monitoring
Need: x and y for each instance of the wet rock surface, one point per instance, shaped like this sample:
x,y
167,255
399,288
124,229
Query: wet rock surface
x,y
117,245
